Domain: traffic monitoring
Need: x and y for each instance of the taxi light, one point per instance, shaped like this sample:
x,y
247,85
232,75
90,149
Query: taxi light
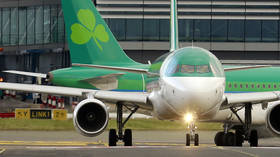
x,y
188,117
1,79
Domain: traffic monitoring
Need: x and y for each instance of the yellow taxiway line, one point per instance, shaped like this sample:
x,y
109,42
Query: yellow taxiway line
x,y
50,143
81,143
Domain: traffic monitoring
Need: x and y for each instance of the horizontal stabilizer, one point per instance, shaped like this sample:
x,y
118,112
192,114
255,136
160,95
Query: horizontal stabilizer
x,y
246,67
26,73
124,69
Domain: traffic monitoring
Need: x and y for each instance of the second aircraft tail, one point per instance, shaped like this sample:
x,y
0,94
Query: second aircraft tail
x,y
89,39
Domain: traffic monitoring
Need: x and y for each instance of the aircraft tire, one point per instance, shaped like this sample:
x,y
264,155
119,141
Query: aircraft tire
x,y
229,139
239,138
253,138
219,138
196,140
127,137
113,137
188,139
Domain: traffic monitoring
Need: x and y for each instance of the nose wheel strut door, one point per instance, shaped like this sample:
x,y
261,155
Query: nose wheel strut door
x,y
191,135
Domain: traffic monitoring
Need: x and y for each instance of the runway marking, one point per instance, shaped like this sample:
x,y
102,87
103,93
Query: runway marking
x,y
157,144
51,143
237,151
2,151
266,147
94,147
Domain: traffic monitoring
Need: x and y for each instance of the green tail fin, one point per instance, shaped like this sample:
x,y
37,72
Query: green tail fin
x,y
89,39
174,38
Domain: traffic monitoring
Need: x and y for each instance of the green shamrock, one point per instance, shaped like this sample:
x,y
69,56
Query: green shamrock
x,y
82,33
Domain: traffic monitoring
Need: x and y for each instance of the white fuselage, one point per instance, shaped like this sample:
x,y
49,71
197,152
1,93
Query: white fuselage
x,y
177,96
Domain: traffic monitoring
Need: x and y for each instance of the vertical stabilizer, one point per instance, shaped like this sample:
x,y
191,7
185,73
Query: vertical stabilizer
x,y
89,39
174,41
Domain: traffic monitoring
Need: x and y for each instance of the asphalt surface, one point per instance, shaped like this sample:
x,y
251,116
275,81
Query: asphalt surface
x,y
145,143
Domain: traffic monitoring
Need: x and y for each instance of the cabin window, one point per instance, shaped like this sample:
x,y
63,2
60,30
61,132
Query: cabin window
x,y
240,85
269,86
202,69
187,69
274,86
263,85
258,86
252,86
247,86
229,85
235,85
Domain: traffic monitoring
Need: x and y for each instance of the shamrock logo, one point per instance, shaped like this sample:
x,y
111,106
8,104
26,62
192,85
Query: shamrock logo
x,y
85,30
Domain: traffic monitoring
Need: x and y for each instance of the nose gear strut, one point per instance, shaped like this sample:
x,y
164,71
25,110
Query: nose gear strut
x,y
192,136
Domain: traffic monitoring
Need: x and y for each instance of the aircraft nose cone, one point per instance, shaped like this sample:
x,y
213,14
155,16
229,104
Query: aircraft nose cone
x,y
190,94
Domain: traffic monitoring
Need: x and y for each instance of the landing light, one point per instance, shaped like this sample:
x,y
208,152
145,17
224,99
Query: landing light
x,y
188,117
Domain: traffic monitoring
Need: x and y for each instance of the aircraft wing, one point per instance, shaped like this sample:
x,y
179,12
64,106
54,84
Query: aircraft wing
x,y
246,67
135,98
237,99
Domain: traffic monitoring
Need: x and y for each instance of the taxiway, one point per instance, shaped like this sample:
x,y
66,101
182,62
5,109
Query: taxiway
x,y
146,143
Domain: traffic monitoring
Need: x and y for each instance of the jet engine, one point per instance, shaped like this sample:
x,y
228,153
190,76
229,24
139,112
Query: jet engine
x,y
90,117
273,119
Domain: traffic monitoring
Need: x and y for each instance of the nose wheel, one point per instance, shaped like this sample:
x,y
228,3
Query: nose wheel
x,y
192,136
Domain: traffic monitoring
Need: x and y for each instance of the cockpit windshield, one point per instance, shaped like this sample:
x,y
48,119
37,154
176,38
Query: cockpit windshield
x,y
192,62
184,68
187,68
203,69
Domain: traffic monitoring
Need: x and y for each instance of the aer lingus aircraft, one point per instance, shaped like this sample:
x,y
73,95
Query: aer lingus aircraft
x,y
187,83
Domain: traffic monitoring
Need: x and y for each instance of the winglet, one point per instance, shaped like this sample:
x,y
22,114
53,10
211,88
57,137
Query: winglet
x,y
174,41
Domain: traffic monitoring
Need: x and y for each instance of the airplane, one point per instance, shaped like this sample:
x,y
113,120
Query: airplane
x,y
187,83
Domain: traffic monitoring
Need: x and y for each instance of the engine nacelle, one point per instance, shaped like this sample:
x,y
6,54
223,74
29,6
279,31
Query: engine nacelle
x,y
273,119
90,117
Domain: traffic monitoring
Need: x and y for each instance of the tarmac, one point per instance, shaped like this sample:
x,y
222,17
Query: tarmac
x,y
145,143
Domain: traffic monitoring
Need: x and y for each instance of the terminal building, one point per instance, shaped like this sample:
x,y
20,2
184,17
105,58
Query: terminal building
x,y
33,37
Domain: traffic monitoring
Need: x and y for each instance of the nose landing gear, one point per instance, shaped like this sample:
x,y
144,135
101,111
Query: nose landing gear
x,y
192,136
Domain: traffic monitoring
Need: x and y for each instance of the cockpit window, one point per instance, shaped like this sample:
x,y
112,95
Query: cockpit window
x,y
191,62
187,68
202,69
177,68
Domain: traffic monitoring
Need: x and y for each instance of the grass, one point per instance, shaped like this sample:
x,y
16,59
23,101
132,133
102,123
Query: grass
x,y
135,124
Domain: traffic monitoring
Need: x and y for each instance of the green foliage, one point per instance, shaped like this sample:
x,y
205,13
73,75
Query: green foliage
x,y
135,124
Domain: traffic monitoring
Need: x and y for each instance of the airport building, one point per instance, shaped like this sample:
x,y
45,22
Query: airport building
x,y
33,37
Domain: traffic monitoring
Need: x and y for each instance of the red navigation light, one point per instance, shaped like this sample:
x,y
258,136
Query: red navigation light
x,y
1,49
